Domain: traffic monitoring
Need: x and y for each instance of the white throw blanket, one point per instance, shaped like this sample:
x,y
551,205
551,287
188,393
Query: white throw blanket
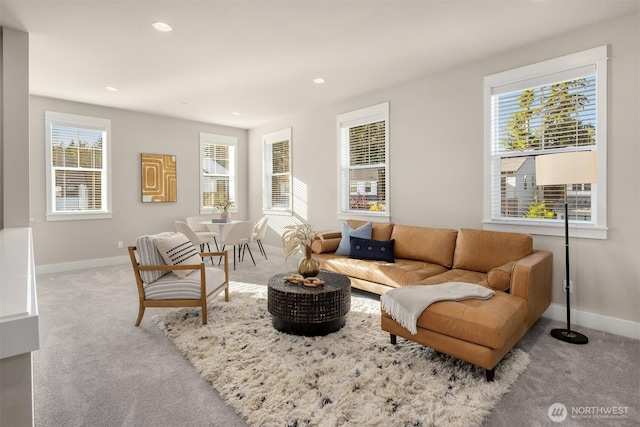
x,y
406,304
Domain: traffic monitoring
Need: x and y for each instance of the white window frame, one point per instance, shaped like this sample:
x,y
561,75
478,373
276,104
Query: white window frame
x,y
375,113
232,142
93,123
267,142
591,61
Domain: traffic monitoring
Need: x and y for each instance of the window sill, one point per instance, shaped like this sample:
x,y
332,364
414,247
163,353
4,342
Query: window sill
x,y
365,216
281,212
78,216
211,211
580,231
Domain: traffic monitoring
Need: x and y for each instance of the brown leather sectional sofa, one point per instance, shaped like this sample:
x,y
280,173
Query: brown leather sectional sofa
x,y
477,331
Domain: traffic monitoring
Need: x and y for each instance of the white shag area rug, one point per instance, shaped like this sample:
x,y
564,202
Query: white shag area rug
x,y
350,377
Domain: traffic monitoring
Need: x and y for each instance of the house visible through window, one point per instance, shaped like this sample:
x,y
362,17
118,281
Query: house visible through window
x,y
364,149
78,175
551,107
277,171
218,166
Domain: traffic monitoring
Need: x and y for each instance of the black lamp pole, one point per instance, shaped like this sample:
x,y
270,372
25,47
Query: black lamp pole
x,y
567,334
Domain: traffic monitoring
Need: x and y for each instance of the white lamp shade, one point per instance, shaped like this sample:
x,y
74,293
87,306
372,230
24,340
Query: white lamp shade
x,y
566,168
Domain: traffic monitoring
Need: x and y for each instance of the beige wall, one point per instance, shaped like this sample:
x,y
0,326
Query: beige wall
x,y
132,134
16,384
436,167
14,129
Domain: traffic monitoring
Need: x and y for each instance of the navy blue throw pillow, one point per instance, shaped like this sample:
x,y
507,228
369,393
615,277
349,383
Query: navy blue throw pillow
x,y
376,250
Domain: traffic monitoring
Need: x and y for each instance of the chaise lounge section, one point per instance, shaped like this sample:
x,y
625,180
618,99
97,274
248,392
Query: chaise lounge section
x,y
477,331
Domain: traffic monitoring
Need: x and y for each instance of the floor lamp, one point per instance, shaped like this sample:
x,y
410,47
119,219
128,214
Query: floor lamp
x,y
562,169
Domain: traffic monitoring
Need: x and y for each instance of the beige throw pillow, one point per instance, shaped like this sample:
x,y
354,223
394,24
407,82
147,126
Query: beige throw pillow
x,y
177,249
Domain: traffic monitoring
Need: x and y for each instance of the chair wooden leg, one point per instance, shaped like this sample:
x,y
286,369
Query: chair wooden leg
x,y
140,314
394,339
204,312
226,294
223,247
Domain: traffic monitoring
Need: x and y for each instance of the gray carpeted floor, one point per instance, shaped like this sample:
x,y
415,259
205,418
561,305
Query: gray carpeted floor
x,y
95,368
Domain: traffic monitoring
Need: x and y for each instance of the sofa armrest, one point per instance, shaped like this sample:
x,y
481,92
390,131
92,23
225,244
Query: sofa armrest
x,y
326,242
531,280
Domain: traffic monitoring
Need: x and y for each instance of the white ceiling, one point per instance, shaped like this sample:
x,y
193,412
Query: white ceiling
x,y
259,58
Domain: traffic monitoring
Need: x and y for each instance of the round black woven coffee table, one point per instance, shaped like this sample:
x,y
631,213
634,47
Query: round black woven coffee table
x,y
301,310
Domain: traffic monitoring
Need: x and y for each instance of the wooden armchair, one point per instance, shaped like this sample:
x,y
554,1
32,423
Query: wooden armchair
x,y
184,281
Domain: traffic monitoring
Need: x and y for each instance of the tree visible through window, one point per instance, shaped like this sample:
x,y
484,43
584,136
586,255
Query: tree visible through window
x,y
539,120
76,156
77,166
551,107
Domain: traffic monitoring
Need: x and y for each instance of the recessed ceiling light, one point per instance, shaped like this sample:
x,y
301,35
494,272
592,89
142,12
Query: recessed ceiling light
x,y
235,113
112,89
161,26
318,81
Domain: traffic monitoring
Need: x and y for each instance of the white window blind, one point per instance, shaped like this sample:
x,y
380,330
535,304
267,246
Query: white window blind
x,y
557,108
78,184
218,165
364,150
277,171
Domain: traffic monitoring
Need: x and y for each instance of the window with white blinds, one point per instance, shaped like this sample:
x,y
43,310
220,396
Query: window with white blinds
x,y
552,107
78,168
277,171
363,138
218,170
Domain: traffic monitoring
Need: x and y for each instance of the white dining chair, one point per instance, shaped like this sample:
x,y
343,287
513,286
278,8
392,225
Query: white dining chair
x,y
183,227
259,232
238,235
202,231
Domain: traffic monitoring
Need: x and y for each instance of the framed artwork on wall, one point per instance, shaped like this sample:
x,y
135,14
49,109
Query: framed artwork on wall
x,y
159,178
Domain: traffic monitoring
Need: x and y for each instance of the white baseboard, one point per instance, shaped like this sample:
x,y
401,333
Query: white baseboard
x,y
612,325
81,265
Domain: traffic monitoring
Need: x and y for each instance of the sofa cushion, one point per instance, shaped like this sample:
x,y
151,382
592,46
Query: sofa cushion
x,y
489,323
189,287
401,273
379,230
364,232
177,249
456,276
481,250
433,245
376,250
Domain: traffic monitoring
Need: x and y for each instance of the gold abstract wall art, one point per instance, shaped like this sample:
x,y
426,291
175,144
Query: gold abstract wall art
x,y
159,178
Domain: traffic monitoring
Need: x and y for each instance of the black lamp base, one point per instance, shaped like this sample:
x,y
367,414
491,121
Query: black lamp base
x,y
569,336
